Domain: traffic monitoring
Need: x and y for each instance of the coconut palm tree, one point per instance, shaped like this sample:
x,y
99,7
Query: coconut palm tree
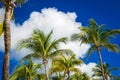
x,y
9,7
27,71
79,76
98,37
43,47
107,71
66,65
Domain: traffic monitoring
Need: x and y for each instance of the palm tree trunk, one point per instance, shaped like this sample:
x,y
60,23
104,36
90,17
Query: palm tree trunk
x,y
68,73
46,71
7,39
64,75
101,63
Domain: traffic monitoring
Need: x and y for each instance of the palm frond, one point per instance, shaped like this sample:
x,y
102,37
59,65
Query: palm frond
x,y
1,29
91,49
111,47
20,2
113,32
59,52
75,37
46,43
92,22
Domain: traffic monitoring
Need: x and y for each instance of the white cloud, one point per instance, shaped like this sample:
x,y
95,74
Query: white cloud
x,y
87,68
76,48
63,25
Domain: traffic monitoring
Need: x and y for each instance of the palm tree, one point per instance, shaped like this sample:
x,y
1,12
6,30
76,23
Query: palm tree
x,y
9,7
79,76
26,71
43,47
98,37
107,71
66,64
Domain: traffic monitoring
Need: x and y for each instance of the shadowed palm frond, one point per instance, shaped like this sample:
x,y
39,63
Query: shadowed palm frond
x,y
111,47
20,2
91,49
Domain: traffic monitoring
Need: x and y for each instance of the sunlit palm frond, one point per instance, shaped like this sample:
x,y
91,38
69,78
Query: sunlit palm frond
x,y
1,29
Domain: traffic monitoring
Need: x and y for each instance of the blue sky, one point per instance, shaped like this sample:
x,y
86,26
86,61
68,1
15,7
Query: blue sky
x,y
103,11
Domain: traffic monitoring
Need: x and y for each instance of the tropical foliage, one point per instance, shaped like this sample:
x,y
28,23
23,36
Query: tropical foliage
x,y
98,37
62,62
79,76
65,65
107,71
43,47
28,71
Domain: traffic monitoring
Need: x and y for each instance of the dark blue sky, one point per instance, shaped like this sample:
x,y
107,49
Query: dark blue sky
x,y
103,11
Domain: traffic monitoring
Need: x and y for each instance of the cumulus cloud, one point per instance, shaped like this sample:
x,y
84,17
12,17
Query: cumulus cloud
x,y
87,68
63,25
76,48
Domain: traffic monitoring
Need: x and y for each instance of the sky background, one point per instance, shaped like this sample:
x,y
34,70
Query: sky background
x,y
64,17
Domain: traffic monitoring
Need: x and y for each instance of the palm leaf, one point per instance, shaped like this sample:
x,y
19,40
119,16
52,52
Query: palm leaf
x,y
91,49
59,52
20,2
1,28
111,47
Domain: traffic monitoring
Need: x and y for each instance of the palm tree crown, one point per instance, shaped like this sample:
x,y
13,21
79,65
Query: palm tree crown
x,y
107,71
66,65
98,37
43,47
27,71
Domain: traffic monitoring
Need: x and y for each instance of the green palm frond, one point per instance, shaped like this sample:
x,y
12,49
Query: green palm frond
x,y
18,73
75,37
91,49
54,44
1,29
111,47
60,52
46,43
66,64
92,22
26,70
73,69
113,32
107,71
20,2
